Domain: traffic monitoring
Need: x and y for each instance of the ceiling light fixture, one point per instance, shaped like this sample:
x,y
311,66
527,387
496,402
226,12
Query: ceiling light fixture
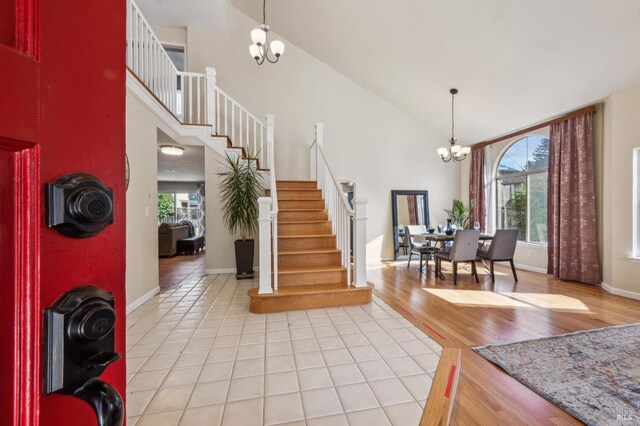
x,y
261,47
455,152
171,149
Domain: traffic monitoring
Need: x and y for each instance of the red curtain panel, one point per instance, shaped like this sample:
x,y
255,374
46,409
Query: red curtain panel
x,y
477,188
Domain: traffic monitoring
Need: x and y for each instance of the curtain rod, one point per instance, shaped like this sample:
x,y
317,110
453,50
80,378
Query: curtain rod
x,y
567,116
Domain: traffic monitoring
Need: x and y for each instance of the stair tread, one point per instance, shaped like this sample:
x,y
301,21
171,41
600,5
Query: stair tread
x,y
296,181
302,199
299,269
310,251
301,210
310,289
302,222
308,236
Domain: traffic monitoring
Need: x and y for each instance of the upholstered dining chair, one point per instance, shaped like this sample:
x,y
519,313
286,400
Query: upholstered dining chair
x,y
502,249
423,248
463,250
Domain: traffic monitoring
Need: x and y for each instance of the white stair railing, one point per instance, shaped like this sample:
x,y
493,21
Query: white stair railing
x,y
268,223
341,214
193,98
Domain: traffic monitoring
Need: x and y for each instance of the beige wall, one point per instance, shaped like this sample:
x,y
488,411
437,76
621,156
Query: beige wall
x,y
142,217
367,140
622,135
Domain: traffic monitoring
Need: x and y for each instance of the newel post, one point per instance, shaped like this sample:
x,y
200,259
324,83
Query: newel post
x,y
211,99
313,155
270,121
264,238
360,243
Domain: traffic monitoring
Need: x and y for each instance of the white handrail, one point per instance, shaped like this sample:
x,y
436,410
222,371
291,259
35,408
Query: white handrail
x,y
341,214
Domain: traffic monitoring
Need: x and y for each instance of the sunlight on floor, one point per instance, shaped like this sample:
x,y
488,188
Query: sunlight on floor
x,y
481,298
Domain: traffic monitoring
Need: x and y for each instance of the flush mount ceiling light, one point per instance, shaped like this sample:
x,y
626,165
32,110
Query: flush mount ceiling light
x,y
261,48
172,149
455,152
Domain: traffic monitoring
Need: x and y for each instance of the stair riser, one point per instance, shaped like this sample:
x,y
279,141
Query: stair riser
x,y
310,301
312,194
297,185
306,243
297,216
309,259
322,228
307,278
301,204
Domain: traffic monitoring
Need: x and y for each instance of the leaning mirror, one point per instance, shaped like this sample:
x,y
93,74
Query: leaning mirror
x,y
407,208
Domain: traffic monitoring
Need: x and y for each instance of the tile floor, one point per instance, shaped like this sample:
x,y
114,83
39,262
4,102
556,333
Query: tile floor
x,y
196,356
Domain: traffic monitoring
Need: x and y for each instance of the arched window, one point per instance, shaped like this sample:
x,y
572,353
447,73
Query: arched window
x,y
521,188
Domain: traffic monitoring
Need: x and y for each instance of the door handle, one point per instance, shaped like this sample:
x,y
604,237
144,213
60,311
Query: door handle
x,y
79,345
105,401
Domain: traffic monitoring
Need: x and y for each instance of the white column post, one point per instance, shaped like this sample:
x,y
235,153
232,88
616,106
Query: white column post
x,y
360,243
270,121
264,237
211,99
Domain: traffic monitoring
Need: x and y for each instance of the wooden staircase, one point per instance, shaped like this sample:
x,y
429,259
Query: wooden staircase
x,y
310,273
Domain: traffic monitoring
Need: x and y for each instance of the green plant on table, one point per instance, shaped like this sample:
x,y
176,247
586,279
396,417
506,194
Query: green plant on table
x,y
459,214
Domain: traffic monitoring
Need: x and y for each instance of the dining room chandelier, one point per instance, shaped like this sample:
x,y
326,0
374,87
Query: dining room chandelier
x,y
261,49
454,152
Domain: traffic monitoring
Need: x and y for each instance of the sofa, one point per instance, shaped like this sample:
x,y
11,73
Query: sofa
x,y
168,236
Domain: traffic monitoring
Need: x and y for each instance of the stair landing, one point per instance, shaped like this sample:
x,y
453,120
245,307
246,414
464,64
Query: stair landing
x,y
310,271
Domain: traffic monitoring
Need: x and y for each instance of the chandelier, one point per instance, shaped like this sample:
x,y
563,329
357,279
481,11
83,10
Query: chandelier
x,y
261,48
455,152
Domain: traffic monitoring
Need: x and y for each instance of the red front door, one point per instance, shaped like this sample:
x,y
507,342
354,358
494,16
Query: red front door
x,y
62,110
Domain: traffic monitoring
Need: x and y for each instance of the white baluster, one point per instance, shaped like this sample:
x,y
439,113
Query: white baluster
x,y
129,34
212,99
264,237
360,240
198,116
226,117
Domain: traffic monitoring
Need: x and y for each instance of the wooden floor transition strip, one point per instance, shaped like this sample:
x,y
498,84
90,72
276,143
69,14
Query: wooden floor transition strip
x,y
443,390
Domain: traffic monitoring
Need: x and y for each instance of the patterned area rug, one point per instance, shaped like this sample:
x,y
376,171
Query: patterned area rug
x,y
593,375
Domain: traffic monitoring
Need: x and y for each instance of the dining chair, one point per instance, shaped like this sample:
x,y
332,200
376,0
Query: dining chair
x,y
463,250
423,249
502,249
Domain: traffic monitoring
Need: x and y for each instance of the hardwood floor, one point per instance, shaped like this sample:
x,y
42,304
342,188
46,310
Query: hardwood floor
x,y
174,270
477,314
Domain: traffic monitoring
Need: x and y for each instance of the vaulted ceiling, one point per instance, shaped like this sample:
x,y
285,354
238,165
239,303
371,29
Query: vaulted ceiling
x,y
515,62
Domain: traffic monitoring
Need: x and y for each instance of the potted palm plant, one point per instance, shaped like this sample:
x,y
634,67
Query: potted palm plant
x,y
459,214
239,191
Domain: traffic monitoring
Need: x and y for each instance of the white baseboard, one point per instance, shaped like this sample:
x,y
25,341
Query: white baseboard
x,y
140,300
226,271
530,268
619,292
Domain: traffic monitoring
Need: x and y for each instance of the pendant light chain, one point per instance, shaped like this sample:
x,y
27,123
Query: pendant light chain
x,y
264,11
453,97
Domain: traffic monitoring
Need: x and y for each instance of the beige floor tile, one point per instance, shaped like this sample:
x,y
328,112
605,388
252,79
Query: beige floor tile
x,y
169,399
160,419
243,413
209,416
330,342
285,408
203,344
209,393
321,402
415,347
305,345
346,374
248,367
182,376
404,414
390,391
301,333
374,417
337,356
142,350
134,364
357,397
279,348
160,362
187,359
280,383
222,354
419,385
403,366
337,420
216,371
278,336
138,401
428,361
252,338
172,347
246,388
375,370
250,351
309,360
226,341
352,340
132,421
277,364
147,380
314,378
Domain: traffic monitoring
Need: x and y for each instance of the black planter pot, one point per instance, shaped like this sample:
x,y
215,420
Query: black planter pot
x,y
244,259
